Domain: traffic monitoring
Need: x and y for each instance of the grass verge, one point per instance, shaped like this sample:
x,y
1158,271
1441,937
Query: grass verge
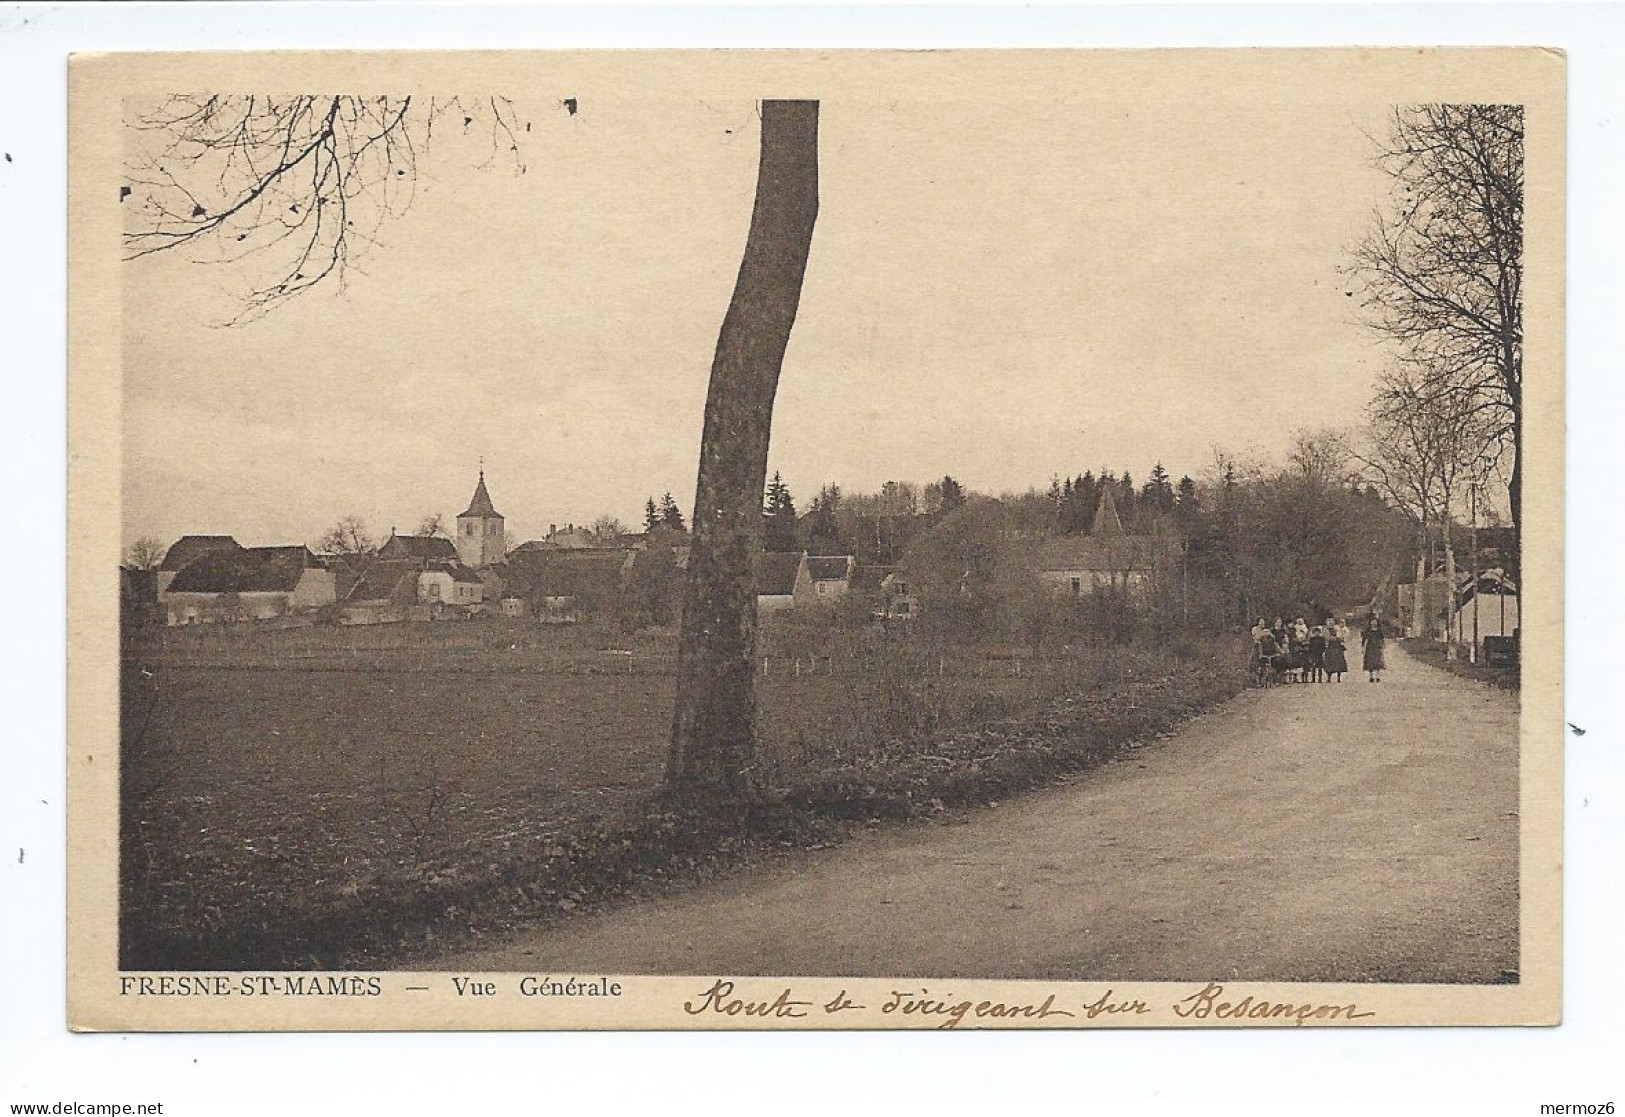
x,y
1432,654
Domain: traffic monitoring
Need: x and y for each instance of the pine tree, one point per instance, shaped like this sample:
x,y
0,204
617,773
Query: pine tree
x,y
1085,495
779,514
823,529
1185,502
651,515
1157,497
670,515
953,494
1128,505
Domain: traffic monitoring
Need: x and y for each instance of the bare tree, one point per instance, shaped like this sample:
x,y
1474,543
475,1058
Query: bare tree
x,y
145,553
1442,265
608,530
1320,457
1425,448
434,526
347,538
309,181
713,730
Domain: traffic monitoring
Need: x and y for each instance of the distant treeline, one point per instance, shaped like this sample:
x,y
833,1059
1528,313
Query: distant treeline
x,y
1304,536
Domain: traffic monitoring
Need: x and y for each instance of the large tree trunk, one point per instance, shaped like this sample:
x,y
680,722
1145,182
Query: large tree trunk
x,y
713,729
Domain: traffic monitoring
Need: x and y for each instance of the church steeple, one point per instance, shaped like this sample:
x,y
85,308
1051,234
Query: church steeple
x,y
481,536
481,504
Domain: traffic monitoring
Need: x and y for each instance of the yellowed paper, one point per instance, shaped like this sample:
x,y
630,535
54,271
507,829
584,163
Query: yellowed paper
x,y
1011,767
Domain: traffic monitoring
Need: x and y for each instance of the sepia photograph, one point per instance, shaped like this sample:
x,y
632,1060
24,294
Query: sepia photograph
x,y
1002,538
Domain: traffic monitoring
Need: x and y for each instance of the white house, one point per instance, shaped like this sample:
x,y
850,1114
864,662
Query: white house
x,y
452,584
824,579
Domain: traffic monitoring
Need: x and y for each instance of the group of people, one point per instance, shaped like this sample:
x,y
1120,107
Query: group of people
x,y
1318,653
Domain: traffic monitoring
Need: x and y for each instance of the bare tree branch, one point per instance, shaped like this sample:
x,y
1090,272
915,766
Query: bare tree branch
x,y
303,184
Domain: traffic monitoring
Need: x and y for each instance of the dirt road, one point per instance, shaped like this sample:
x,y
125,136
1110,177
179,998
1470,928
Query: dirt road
x,y
1337,832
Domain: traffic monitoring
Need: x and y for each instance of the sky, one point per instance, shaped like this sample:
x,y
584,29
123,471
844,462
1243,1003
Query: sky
x,y
999,290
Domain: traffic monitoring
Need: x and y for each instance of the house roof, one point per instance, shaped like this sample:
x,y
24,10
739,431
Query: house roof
x,y
829,568
246,570
458,572
869,579
480,504
577,540
1494,581
566,574
421,547
189,548
1088,552
382,581
1107,523
776,572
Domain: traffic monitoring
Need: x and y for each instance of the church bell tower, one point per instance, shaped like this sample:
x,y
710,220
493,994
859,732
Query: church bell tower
x,y
481,537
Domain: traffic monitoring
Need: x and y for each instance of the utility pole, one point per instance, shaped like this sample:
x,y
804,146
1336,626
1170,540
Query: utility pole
x,y
1472,498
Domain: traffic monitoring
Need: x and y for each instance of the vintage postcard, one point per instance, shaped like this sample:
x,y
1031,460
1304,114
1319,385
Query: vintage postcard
x,y
783,539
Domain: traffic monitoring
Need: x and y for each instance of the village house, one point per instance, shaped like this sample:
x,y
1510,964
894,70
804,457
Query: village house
x,y
566,586
795,578
385,592
186,550
1106,558
248,583
823,579
573,537
777,574
418,548
450,585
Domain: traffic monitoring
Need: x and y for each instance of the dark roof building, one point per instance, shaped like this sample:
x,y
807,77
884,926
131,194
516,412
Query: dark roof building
x,y
594,575
776,573
829,568
424,548
870,579
480,505
189,548
387,580
247,570
460,573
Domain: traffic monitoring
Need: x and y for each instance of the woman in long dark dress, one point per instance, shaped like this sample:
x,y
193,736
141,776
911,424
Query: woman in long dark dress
x,y
1371,640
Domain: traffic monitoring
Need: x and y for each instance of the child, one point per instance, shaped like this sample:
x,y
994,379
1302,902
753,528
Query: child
x,y
1317,654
